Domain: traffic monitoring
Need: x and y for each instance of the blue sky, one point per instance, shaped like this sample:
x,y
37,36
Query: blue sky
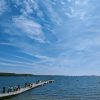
x,y
55,37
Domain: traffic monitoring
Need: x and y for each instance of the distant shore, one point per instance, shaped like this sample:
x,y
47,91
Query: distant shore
x,y
14,74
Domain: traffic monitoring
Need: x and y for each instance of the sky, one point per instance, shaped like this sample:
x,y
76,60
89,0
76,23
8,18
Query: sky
x,y
50,37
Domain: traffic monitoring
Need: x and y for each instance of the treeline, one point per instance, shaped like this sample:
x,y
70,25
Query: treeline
x,y
14,74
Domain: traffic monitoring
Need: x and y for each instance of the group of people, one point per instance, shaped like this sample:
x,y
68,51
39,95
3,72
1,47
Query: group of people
x,y
28,85
16,88
38,81
11,89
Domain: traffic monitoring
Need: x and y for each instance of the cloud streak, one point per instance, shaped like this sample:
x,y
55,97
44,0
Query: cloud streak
x,y
30,28
3,6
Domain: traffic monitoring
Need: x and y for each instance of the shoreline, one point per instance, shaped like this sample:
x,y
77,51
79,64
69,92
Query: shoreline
x,y
13,74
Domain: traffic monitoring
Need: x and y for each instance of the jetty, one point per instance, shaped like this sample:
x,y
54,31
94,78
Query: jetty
x,y
21,90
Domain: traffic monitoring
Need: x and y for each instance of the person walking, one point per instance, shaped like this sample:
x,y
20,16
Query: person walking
x,y
4,90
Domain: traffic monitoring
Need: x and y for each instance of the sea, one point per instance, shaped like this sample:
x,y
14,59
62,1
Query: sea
x,y
64,87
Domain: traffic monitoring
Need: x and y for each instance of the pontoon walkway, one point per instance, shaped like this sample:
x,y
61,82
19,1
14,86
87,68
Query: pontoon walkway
x,y
34,85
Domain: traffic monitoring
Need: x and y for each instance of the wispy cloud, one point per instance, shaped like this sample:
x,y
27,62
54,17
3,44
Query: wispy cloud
x,y
30,28
3,6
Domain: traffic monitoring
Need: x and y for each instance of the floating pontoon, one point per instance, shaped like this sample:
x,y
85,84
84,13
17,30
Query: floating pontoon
x,y
21,90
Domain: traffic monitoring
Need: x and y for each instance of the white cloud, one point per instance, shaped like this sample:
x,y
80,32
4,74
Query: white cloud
x,y
24,58
68,14
14,61
29,7
63,3
3,6
15,64
80,9
69,0
81,2
42,58
5,43
30,28
53,13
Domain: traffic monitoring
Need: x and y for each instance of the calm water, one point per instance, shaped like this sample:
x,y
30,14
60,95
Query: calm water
x,y
64,88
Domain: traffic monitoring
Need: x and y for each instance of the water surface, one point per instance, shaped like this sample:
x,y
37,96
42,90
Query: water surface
x,y
64,88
